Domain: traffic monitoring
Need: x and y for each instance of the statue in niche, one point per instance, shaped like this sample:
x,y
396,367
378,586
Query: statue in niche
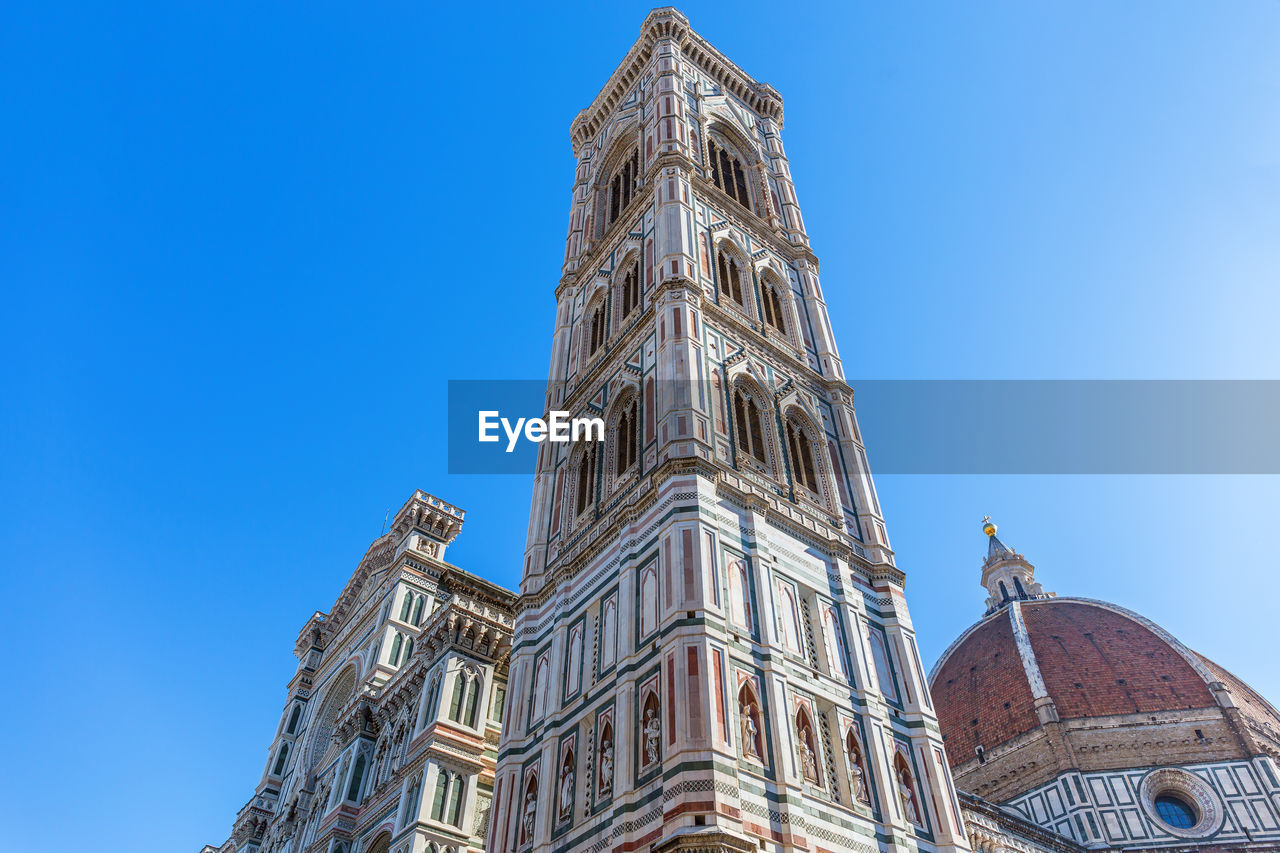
x,y
606,769
807,761
749,731
530,815
652,731
566,791
908,800
856,780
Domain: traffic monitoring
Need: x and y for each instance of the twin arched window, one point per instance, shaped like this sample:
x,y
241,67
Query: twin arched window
x,y
730,278
626,439
597,328
750,427
411,609
631,289
466,698
771,305
728,174
801,450
623,186
401,649
586,482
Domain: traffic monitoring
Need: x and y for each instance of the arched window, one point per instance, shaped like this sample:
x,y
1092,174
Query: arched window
x,y
752,732
280,759
293,720
771,306
630,295
807,748
730,275
1017,584
623,186
586,481
473,700
457,795
857,768
442,794
597,328
417,609
404,609
801,450
408,651
395,649
1004,592
357,777
749,425
626,439
728,174
459,696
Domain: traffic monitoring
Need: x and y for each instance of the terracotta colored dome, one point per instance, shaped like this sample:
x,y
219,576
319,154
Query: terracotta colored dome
x,y
1045,684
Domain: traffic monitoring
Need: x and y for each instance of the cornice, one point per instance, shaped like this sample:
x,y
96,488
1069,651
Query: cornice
x,y
669,24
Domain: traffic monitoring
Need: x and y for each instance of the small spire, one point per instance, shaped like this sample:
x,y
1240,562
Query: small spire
x,y
995,548
1006,574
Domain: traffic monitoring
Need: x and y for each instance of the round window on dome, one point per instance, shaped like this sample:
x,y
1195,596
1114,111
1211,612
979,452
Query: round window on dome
x,y
1175,811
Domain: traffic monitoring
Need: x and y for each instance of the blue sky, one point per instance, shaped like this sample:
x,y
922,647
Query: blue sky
x,y
243,247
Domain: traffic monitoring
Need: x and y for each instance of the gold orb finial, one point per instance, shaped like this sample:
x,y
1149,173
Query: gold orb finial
x,y
988,526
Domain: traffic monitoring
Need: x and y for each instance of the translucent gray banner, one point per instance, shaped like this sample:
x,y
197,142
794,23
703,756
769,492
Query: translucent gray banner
x,y
977,426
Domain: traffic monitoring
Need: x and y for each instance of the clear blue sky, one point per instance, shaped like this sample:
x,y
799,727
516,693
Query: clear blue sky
x,y
243,246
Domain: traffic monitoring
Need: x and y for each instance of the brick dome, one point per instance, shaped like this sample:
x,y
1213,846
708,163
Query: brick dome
x,y
1059,663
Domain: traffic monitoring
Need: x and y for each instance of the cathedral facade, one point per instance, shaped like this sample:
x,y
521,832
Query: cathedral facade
x,y
711,648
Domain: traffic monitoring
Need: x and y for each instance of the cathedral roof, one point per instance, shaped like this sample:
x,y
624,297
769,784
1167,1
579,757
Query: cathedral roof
x,y
1052,667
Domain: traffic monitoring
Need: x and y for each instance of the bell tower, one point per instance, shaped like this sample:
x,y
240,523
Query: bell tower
x,y
712,648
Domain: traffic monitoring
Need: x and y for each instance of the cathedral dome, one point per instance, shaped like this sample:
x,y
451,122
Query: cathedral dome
x,y
1044,684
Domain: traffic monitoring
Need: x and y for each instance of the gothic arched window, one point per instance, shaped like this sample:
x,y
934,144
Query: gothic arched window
x,y
459,695
802,459
280,759
728,173
293,720
417,609
750,427
395,649
597,328
408,651
473,699
457,795
357,777
622,187
771,305
404,609
626,439
730,274
586,481
630,295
